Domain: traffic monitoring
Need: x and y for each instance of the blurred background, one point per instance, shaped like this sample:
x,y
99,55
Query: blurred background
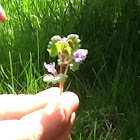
x,y
108,83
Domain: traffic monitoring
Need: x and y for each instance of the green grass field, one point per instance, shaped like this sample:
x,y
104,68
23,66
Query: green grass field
x,y
108,83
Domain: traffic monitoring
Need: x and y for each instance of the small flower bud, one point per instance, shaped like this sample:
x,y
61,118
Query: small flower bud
x,y
50,67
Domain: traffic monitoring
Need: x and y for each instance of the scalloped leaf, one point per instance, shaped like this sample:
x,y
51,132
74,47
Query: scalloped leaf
x,y
48,77
52,46
60,78
55,38
74,41
52,50
63,46
51,79
74,66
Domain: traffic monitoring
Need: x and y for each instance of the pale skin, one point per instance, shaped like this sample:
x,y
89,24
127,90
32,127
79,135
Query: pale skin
x,y
2,14
43,116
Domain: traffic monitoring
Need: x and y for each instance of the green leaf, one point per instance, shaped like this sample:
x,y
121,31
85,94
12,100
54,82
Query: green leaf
x,y
60,78
51,79
55,38
74,41
52,46
63,46
48,77
74,66
52,51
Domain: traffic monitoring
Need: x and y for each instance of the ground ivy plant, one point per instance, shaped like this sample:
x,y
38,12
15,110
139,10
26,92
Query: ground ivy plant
x,y
69,54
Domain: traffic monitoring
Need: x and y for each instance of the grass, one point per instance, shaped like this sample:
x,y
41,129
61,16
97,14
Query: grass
x,y
107,83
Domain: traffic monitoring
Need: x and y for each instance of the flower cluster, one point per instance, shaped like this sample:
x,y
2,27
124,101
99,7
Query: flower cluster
x,y
79,55
69,56
50,67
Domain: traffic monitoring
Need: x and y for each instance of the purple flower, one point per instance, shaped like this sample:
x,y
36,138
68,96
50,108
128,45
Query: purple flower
x,y
50,67
80,55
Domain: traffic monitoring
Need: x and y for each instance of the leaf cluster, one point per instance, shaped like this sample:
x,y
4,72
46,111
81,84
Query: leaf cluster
x,y
63,46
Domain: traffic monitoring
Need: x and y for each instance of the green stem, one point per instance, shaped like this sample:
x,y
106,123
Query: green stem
x,y
66,70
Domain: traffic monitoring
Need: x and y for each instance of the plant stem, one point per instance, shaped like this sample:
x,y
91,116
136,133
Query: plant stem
x,y
61,68
55,73
66,70
61,85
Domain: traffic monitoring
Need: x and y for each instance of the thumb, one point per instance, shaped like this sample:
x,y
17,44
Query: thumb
x,y
55,119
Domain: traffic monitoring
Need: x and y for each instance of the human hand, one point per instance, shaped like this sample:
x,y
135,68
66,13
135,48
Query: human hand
x,y
2,14
44,116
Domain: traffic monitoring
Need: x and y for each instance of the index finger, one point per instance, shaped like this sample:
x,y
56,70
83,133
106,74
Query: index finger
x,y
2,14
16,106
